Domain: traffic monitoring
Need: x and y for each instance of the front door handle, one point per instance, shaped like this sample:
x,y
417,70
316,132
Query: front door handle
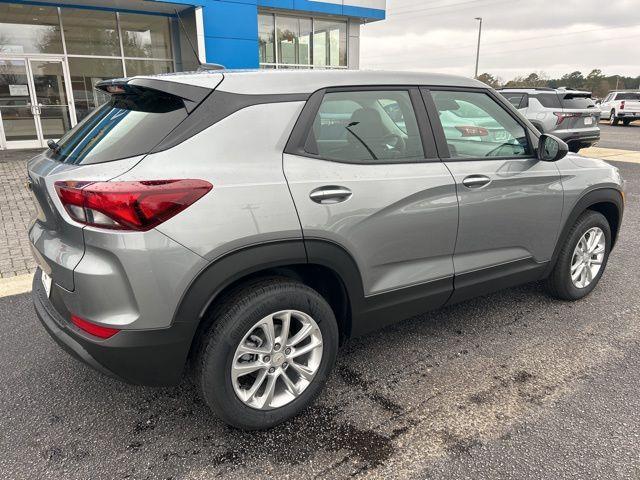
x,y
330,194
476,181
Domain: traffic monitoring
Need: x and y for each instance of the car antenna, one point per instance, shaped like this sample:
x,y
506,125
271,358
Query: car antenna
x,y
201,66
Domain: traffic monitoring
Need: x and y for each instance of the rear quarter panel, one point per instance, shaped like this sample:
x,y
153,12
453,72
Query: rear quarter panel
x,y
241,156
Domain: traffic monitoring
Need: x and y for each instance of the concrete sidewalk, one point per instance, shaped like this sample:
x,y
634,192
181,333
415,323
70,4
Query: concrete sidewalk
x,y
612,154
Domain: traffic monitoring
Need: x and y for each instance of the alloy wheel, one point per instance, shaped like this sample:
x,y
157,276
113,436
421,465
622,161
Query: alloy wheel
x,y
277,360
587,257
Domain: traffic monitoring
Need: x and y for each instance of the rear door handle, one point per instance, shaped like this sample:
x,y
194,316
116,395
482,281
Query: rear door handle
x,y
476,181
330,194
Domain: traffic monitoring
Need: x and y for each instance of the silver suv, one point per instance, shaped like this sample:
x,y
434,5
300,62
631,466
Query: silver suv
x,y
242,225
570,115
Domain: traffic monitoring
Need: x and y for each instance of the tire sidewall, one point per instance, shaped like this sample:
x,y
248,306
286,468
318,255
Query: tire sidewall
x,y
592,219
216,383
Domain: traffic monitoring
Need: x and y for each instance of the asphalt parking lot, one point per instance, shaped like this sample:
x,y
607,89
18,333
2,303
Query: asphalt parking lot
x,y
512,385
624,138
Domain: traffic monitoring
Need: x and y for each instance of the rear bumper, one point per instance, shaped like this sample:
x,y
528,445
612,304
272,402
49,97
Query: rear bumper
x,y
623,114
585,137
142,357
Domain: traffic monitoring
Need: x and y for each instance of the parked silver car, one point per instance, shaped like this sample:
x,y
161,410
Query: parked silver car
x,y
243,224
571,115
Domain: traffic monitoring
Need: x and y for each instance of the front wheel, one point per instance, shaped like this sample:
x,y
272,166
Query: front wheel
x,y
268,353
582,259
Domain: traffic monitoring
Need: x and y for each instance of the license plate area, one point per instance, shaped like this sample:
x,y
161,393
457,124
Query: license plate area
x,y
46,283
588,120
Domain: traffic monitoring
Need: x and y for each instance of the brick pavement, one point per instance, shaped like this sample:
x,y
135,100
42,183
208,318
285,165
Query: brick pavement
x,y
16,211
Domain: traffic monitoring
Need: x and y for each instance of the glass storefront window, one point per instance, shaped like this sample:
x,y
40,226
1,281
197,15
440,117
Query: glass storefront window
x,y
305,42
266,36
147,67
145,36
90,32
29,29
329,43
85,73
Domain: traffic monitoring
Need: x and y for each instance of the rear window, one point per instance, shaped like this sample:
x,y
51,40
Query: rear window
x,y
548,100
126,126
577,102
628,96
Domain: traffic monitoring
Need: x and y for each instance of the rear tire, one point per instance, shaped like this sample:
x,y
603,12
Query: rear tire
x,y
237,322
626,122
613,120
574,147
560,283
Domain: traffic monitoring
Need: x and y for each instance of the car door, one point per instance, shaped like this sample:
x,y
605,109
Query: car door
x,y
364,179
510,202
605,106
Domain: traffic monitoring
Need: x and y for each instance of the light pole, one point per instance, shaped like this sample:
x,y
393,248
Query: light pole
x,y
478,50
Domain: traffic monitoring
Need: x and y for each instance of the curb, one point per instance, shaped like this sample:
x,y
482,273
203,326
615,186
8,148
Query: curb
x,y
611,154
15,285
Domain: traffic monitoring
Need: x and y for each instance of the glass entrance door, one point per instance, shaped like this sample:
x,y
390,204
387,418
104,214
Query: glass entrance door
x,y
34,102
50,98
17,110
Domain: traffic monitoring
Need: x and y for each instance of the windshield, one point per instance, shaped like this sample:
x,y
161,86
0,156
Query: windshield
x,y
126,126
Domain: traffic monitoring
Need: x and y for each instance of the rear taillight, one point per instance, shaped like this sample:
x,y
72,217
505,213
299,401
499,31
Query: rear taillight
x,y
561,116
139,206
93,329
622,105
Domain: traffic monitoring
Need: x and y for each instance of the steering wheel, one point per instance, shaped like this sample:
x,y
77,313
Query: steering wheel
x,y
498,151
394,142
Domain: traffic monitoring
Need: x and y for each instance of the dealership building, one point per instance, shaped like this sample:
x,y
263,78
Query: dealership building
x,y
53,53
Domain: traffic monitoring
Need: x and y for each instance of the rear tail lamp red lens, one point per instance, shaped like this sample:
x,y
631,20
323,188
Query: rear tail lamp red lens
x,y
561,116
622,105
93,329
138,206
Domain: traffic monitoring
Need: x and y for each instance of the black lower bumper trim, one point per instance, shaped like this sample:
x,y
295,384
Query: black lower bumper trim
x,y
142,357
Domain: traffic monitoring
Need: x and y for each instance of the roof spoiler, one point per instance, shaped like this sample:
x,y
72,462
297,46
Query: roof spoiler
x,y
204,67
190,94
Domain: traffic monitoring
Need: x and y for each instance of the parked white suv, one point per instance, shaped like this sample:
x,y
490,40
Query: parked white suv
x,y
621,105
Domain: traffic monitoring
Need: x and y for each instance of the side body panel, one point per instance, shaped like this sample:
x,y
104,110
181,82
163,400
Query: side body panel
x,y
399,224
516,216
581,175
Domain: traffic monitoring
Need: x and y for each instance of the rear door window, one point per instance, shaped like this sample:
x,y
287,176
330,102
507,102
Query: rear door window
x,y
126,126
366,127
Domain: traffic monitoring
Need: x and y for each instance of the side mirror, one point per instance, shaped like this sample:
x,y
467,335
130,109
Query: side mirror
x,y
550,148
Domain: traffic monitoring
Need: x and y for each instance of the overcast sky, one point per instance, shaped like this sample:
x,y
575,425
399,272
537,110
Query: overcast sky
x,y
518,37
